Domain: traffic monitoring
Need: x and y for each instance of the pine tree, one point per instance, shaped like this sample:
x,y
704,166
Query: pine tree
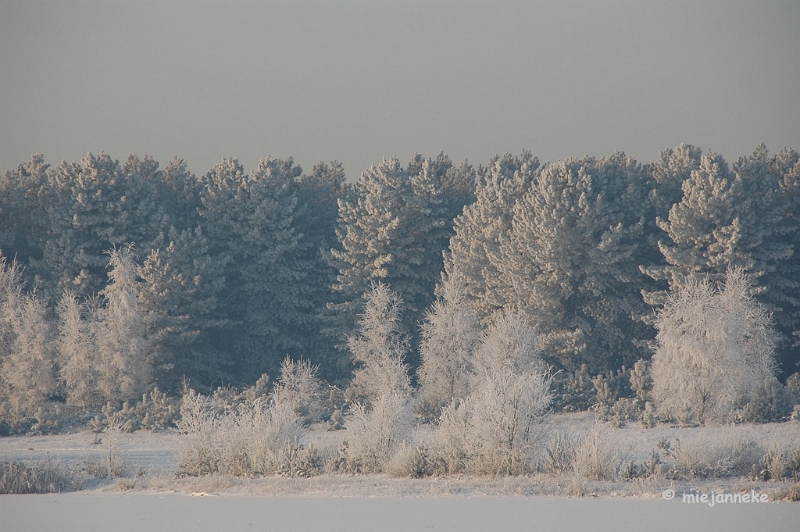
x,y
270,288
95,207
394,228
180,294
318,194
177,190
571,261
478,230
23,230
736,218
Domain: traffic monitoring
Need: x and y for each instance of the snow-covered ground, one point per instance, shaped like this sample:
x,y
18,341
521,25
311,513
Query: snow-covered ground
x,y
97,511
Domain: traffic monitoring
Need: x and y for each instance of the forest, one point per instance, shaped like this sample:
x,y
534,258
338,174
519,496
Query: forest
x,y
122,277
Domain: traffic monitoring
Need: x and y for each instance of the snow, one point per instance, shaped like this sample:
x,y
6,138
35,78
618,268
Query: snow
x,y
93,511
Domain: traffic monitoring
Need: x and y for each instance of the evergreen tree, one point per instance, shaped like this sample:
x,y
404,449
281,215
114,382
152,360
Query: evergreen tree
x,y
393,229
478,230
22,202
181,296
95,206
737,218
270,289
571,261
177,190
318,194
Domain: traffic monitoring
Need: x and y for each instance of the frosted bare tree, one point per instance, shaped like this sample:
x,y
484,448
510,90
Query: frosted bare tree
x,y
26,356
715,346
76,350
380,347
450,335
381,388
124,370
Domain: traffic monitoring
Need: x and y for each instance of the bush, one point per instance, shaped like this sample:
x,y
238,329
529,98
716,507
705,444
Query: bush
x,y
45,476
376,433
770,401
707,458
597,457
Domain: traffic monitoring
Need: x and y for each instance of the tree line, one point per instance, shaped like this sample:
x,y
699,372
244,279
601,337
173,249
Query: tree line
x,y
121,276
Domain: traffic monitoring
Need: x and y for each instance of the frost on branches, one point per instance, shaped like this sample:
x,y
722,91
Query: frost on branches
x,y
715,346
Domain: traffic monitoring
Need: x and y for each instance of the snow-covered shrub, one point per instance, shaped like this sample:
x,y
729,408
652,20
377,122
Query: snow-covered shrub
x,y
770,401
597,456
201,452
46,476
573,391
300,386
729,454
376,432
715,347
497,429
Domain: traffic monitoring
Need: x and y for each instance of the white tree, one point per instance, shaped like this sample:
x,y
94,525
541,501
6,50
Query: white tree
x,y
76,350
451,333
381,408
380,347
715,346
123,351
27,368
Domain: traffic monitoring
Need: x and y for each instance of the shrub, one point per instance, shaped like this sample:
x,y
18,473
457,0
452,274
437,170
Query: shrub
x,y
597,457
45,476
707,458
376,433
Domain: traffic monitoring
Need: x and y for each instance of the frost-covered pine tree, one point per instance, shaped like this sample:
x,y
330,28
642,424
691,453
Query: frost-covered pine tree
x,y
394,227
571,261
22,214
269,280
737,218
176,188
451,333
180,295
95,206
715,347
478,230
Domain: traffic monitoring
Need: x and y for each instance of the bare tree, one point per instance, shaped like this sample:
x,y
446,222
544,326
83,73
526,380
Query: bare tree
x,y
715,346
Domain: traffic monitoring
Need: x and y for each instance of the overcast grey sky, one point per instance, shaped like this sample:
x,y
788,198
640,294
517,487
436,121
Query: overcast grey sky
x,y
359,80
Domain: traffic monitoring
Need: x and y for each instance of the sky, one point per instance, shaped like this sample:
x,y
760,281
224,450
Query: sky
x,y
357,81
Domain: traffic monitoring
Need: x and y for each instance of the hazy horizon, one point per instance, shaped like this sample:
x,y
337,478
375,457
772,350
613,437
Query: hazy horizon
x,y
358,81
